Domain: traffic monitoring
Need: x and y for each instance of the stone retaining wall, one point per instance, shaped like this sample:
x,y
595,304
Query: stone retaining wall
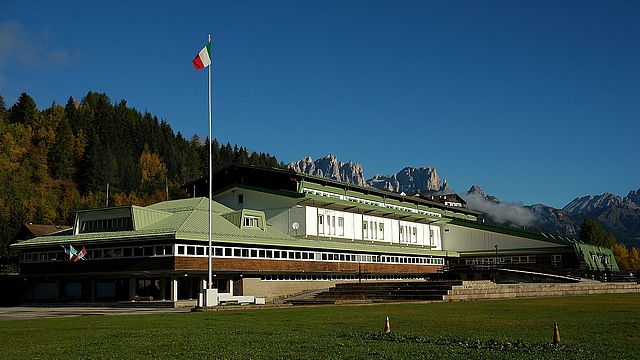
x,y
476,290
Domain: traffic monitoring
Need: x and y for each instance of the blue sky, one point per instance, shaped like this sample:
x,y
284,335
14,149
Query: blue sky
x,y
535,101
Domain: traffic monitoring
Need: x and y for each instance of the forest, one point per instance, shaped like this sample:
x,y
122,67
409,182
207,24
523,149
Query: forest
x,y
58,160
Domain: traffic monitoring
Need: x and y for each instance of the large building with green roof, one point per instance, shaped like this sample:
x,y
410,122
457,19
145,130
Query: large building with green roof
x,y
276,233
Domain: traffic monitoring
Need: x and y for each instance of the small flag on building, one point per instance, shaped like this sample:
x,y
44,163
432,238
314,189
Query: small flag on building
x,y
81,254
72,252
203,59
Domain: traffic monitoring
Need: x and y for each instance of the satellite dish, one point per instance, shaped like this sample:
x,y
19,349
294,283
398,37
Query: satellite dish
x,y
295,225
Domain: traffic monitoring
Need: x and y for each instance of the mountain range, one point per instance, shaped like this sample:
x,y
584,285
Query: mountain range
x,y
618,215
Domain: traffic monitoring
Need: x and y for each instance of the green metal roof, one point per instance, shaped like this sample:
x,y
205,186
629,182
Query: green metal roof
x,y
188,220
586,253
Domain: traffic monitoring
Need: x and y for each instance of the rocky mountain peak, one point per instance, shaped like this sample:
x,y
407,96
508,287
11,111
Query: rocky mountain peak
x,y
476,190
590,203
329,167
408,180
632,200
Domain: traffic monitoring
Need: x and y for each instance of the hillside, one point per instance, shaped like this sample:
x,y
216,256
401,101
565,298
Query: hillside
x,y
58,160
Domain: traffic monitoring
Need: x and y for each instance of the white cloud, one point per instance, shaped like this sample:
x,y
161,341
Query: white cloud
x,y
16,48
502,213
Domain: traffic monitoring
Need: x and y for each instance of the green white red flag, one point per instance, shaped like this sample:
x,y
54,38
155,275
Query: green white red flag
x,y
203,59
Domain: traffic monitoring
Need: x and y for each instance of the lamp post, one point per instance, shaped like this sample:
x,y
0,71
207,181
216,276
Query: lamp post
x,y
496,263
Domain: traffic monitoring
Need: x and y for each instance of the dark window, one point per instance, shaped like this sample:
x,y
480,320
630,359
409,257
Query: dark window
x,y
254,253
128,252
245,252
191,250
227,251
148,251
217,251
236,252
199,250
240,198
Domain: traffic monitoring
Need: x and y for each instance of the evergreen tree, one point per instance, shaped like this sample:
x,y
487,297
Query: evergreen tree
x,y
24,111
592,233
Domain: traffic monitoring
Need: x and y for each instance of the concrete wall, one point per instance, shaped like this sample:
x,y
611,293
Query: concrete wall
x,y
274,290
460,238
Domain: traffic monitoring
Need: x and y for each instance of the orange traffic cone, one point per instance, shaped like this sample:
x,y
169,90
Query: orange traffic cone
x,y
387,327
556,334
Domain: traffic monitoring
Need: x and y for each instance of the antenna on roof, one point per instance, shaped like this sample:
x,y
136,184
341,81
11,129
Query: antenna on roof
x,y
107,201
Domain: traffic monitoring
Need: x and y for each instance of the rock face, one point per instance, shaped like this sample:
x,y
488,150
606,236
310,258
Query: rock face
x,y
620,216
587,204
408,180
329,167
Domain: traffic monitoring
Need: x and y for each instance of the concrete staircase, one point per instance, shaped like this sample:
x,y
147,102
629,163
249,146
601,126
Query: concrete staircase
x,y
485,289
380,292
377,292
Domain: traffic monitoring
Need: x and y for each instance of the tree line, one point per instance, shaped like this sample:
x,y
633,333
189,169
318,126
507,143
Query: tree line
x,y
591,232
58,160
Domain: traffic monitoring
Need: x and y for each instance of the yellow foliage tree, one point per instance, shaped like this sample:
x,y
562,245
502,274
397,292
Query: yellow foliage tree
x,y
622,256
634,258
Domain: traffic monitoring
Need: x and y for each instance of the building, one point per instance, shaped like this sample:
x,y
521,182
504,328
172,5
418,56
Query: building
x,y
276,233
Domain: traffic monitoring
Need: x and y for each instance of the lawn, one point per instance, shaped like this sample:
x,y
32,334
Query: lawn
x,y
591,327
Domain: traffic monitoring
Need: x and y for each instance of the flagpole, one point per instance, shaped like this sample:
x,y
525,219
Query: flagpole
x,y
209,283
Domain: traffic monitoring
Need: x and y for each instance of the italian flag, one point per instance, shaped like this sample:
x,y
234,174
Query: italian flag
x,y
203,59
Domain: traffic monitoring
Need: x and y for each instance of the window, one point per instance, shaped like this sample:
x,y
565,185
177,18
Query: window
x,y
415,234
372,228
240,198
341,226
227,251
320,224
236,252
148,251
401,233
333,225
556,260
191,250
217,251
365,231
381,230
251,221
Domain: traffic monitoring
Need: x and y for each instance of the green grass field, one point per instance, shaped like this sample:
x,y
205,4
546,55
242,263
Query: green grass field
x,y
591,327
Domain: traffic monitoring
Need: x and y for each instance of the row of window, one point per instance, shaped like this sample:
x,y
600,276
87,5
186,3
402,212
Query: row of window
x,y
369,202
306,277
502,260
371,229
104,253
331,225
103,225
220,251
